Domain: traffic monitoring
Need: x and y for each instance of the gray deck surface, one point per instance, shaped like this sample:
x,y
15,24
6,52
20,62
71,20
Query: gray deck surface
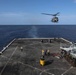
x,y
13,61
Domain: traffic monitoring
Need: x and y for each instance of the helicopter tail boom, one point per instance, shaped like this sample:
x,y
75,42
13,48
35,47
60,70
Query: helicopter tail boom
x,y
51,14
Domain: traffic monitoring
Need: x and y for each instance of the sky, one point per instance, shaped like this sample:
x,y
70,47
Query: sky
x,y
28,12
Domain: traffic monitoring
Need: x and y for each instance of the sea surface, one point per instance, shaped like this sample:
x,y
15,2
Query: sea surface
x,y
9,32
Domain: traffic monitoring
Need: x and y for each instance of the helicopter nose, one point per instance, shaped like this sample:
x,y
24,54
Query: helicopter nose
x,y
54,20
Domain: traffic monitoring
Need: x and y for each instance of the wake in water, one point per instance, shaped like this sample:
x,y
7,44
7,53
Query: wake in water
x,y
33,32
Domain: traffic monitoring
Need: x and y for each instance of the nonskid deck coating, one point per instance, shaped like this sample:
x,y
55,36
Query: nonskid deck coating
x,y
13,61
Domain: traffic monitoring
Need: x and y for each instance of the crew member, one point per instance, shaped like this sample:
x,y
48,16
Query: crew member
x,y
62,54
48,52
21,48
43,53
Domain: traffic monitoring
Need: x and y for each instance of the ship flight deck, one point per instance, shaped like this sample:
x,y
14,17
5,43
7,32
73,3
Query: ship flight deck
x,y
14,61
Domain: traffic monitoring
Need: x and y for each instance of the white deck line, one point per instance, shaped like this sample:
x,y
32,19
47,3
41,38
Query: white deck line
x,y
36,68
42,72
7,46
8,60
46,72
33,67
67,70
66,40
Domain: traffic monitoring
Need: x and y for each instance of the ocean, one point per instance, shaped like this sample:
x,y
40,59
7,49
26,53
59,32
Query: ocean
x,y
9,32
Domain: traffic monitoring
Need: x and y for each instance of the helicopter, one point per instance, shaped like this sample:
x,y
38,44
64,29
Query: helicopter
x,y
55,19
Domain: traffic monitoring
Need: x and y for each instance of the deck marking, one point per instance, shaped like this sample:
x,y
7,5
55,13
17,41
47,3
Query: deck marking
x,y
4,56
46,72
8,60
67,70
50,73
42,72
27,65
57,68
37,68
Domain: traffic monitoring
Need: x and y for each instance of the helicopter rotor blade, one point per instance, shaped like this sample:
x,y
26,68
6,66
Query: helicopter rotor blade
x,y
47,14
57,14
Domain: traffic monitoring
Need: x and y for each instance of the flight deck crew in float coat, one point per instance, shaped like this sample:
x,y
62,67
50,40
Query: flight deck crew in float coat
x,y
21,48
62,54
43,53
48,52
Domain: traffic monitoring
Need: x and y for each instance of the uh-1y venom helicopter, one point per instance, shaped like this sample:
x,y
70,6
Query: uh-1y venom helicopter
x,y
54,19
